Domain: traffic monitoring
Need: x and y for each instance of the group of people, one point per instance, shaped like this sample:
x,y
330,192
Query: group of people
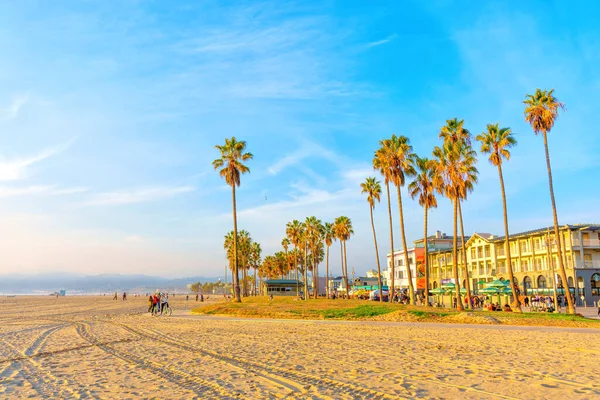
x,y
157,302
543,303
115,297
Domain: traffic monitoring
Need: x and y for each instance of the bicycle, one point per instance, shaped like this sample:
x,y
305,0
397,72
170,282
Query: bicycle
x,y
165,310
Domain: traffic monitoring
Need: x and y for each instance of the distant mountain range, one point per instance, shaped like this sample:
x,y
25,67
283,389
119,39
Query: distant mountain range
x,y
104,283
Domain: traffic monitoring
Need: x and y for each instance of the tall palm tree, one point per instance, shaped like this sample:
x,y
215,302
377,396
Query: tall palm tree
x,y
244,246
401,160
285,242
456,168
314,229
454,133
381,163
541,112
496,142
231,166
372,188
422,187
293,232
328,237
256,261
344,230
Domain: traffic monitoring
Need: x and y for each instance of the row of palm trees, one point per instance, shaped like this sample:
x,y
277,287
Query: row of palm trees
x,y
248,256
450,172
312,241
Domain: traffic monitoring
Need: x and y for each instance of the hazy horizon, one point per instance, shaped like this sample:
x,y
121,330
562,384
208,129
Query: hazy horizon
x,y
109,114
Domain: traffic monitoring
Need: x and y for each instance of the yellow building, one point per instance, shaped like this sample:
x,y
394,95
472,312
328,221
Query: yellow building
x,y
530,255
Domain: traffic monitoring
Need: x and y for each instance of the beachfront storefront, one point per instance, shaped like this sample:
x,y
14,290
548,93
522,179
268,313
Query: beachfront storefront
x,y
282,287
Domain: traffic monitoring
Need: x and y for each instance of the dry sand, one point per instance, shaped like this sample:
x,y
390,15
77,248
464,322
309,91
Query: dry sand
x,y
93,347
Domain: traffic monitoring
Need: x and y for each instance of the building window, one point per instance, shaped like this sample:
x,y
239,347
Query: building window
x,y
479,252
473,253
523,245
527,282
524,265
541,282
595,284
587,259
487,251
536,244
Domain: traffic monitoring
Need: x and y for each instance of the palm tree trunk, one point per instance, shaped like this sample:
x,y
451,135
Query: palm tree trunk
x,y
255,289
516,305
376,256
296,268
563,273
411,288
315,277
346,272
235,274
392,271
342,261
464,256
306,293
426,251
327,274
244,281
459,305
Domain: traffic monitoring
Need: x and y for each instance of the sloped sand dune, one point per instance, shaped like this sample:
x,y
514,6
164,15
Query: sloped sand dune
x,y
93,347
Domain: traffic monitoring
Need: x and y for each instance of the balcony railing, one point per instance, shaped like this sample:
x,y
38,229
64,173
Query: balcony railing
x,y
586,242
588,264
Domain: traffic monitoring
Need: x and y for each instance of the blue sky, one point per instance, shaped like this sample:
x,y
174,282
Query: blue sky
x,y
109,113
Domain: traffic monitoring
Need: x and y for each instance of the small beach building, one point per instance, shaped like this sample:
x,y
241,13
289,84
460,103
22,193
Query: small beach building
x,y
282,287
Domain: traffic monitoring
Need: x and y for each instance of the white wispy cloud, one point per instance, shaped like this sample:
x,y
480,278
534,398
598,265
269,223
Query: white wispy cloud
x,y
17,168
382,41
137,195
12,110
51,190
307,150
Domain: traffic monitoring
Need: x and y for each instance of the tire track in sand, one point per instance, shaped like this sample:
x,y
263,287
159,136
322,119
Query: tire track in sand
x,y
293,378
201,387
42,381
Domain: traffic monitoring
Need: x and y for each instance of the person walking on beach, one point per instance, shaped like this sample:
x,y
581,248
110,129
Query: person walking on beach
x,y
115,296
155,303
196,297
150,303
124,296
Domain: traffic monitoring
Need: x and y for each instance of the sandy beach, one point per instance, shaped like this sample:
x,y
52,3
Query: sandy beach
x,y
94,347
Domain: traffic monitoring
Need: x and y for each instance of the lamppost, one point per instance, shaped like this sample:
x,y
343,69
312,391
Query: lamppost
x,y
547,240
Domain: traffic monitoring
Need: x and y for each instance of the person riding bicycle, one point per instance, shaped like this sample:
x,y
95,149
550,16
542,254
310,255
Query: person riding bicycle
x,y
155,303
164,302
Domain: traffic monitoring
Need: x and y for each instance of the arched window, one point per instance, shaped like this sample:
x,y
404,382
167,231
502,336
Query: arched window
x,y
595,284
541,282
580,286
570,280
559,284
527,282
434,284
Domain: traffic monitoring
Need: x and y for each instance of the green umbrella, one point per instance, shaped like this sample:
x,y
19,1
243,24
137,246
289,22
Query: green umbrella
x,y
496,284
448,285
507,290
482,282
436,291
489,290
